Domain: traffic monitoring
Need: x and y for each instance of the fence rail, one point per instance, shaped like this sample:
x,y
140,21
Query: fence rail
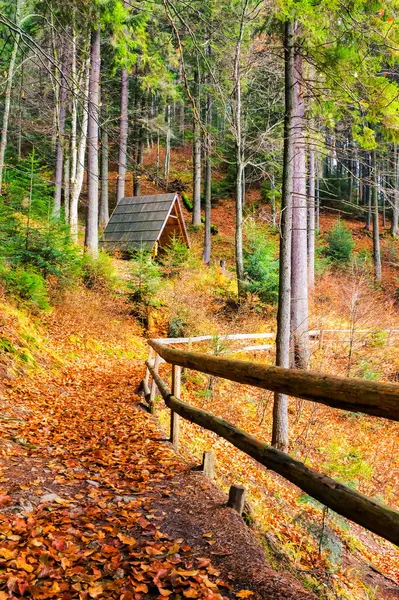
x,y
373,398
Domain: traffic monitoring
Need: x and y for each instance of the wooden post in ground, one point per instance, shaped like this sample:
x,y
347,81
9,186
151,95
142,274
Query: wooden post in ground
x,y
237,498
174,417
321,339
147,371
208,464
153,384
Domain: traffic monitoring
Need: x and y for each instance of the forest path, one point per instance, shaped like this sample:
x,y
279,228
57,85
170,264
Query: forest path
x,y
97,505
94,502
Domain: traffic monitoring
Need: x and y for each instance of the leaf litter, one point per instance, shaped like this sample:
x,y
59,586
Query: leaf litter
x,y
92,502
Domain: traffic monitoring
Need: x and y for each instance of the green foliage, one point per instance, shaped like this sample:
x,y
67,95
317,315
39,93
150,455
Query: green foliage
x,y
32,246
145,280
28,188
175,256
26,285
177,326
222,188
365,371
322,261
187,202
347,463
340,243
98,273
270,194
378,339
261,264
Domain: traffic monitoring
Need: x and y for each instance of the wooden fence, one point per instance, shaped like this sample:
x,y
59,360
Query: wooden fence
x,y
370,397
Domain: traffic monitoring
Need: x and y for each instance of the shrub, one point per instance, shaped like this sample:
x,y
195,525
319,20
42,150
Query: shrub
x,y
347,463
261,264
26,285
187,202
98,273
177,326
49,251
340,243
32,246
322,261
145,279
175,256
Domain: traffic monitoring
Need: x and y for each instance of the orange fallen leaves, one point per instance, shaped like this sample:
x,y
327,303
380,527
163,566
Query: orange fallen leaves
x,y
244,594
96,534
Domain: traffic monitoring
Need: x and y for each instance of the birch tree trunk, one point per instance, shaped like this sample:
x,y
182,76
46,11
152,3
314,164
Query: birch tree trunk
x,y
206,255
104,196
78,175
7,95
299,273
311,217
74,116
67,184
368,193
20,113
376,224
395,203
240,168
280,406
166,166
59,163
123,136
91,242
319,174
197,156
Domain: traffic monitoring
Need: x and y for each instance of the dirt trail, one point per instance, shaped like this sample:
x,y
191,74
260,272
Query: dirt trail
x,y
94,503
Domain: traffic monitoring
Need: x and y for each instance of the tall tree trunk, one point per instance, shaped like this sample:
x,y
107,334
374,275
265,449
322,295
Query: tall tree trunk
x,y
91,241
166,166
311,217
238,236
78,175
197,155
123,136
67,184
158,158
140,148
60,140
240,166
74,114
376,225
7,96
104,204
20,113
368,193
299,273
280,406
395,202
317,195
206,255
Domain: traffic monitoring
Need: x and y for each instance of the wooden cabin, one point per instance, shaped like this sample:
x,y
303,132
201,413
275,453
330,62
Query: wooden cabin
x,y
145,222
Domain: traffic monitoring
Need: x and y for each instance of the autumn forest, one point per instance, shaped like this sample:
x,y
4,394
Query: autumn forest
x,y
199,299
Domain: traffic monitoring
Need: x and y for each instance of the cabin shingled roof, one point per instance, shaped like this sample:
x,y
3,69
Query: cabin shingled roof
x,y
137,221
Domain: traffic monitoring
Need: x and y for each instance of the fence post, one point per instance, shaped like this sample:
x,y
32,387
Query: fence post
x,y
237,498
208,464
153,384
321,339
174,418
147,371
